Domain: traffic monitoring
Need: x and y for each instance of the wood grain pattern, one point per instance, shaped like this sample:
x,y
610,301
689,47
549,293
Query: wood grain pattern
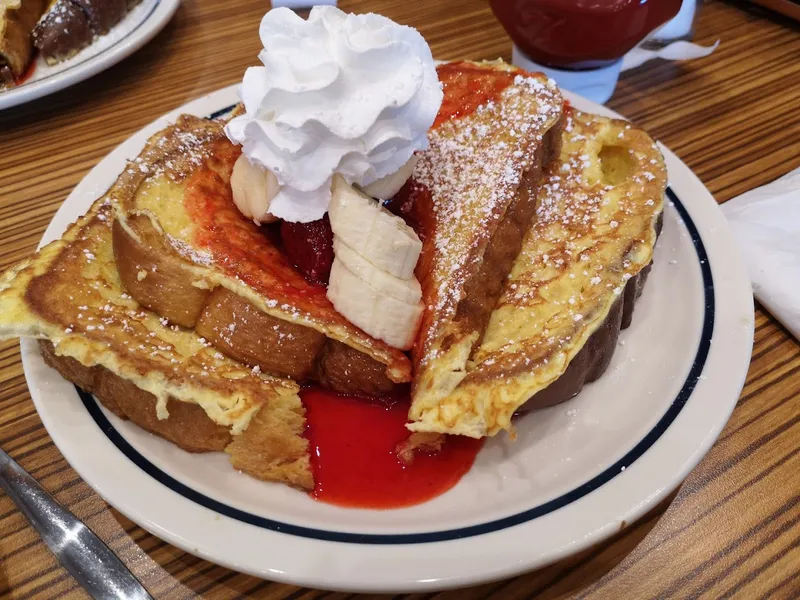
x,y
732,529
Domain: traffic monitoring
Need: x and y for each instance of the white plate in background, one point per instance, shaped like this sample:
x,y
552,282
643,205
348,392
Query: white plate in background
x,y
137,28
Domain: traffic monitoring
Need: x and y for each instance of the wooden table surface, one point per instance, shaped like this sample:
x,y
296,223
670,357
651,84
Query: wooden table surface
x,y
732,529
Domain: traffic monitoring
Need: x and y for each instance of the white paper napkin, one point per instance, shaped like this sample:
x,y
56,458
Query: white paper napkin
x,y
680,50
766,223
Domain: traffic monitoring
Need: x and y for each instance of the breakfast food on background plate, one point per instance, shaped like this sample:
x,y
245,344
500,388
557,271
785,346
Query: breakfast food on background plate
x,y
56,29
250,299
68,26
17,20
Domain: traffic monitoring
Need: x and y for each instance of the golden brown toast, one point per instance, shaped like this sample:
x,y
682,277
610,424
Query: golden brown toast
x,y
476,188
184,251
163,378
572,287
17,20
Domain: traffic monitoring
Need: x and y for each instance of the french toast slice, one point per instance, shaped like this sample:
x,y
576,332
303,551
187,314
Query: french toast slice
x,y
572,288
163,378
475,190
183,250
17,20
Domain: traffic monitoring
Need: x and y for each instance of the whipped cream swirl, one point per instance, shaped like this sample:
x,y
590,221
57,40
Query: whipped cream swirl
x,y
338,93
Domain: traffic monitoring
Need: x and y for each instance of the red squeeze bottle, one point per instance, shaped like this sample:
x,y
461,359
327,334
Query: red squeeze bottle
x,y
581,34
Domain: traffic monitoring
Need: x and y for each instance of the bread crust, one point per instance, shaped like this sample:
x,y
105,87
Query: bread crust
x,y
268,449
483,285
188,427
155,276
241,331
62,31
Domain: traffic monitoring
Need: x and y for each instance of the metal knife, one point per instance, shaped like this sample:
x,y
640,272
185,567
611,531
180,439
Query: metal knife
x,y
80,551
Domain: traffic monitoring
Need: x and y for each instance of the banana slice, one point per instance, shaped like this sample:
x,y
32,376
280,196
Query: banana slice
x,y
373,310
253,190
372,231
404,290
388,186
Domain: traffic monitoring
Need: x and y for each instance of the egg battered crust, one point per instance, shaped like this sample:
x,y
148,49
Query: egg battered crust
x,y
165,379
583,260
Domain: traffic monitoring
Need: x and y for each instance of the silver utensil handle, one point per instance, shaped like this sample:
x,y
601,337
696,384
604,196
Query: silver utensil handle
x,y
80,551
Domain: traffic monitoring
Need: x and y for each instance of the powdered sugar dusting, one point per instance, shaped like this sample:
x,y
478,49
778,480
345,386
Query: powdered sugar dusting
x,y
591,234
174,154
472,169
199,257
119,334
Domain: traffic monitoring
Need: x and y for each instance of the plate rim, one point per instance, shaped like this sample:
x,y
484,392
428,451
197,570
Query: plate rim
x,y
348,578
160,14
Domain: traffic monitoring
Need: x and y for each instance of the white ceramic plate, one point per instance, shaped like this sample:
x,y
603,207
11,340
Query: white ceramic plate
x,y
577,473
138,27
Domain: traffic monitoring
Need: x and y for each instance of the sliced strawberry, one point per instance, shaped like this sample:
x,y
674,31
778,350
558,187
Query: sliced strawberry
x,y
413,204
310,247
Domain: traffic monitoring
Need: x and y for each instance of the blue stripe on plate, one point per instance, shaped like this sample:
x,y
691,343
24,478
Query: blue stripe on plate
x,y
462,532
222,112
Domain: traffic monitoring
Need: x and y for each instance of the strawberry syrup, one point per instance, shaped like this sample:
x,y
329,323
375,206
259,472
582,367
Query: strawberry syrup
x,y
354,453
27,73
